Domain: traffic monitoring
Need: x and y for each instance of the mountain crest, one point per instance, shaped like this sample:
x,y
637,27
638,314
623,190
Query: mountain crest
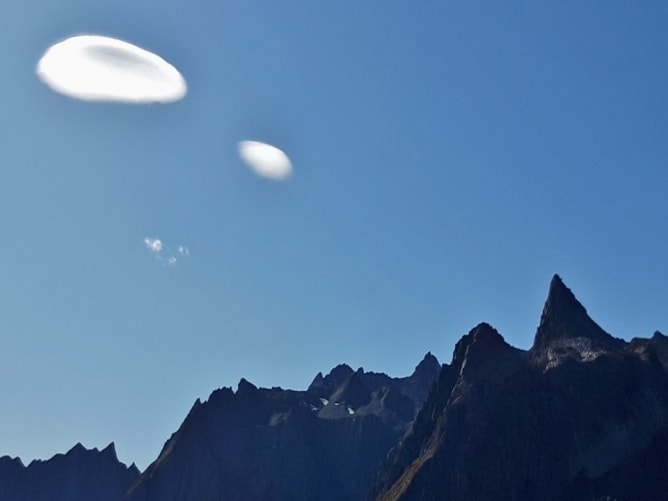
x,y
245,387
565,318
324,386
428,365
483,335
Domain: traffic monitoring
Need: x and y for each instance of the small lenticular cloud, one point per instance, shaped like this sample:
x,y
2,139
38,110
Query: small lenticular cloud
x,y
265,160
153,244
98,68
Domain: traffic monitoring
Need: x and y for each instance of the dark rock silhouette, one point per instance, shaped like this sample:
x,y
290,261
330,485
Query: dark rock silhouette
x,y
79,475
565,323
325,443
580,416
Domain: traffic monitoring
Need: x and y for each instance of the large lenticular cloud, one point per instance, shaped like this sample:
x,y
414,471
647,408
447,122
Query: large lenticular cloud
x,y
98,68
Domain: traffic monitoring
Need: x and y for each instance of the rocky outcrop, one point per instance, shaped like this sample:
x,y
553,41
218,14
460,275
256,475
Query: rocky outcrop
x,y
580,416
79,475
325,443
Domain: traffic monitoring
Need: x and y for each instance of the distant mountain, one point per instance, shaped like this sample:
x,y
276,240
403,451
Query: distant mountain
x,y
325,443
579,416
79,475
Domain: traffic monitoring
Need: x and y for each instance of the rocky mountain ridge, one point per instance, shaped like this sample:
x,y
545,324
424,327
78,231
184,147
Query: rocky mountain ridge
x,y
80,474
325,443
580,416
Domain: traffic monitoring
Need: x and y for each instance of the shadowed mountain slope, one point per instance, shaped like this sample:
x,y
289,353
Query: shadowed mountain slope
x,y
325,443
580,416
79,475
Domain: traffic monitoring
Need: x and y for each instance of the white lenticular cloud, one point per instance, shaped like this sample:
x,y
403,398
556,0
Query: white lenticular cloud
x,y
265,160
99,68
153,244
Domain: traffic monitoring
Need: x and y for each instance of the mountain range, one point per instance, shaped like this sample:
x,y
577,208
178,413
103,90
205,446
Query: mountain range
x,y
581,415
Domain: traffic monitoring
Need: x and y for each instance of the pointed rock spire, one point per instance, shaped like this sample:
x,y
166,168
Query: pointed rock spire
x,y
428,365
78,448
245,387
564,317
427,370
418,385
110,452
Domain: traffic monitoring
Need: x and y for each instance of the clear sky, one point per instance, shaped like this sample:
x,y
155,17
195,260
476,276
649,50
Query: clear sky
x,y
448,158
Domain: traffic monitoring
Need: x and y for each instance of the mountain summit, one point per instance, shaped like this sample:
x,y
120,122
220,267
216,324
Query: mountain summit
x,y
565,320
580,416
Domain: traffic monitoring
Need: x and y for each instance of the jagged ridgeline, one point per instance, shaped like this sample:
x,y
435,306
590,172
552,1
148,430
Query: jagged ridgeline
x,y
80,474
325,443
579,416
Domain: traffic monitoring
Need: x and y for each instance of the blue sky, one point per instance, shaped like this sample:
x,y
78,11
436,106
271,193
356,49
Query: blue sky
x,y
448,159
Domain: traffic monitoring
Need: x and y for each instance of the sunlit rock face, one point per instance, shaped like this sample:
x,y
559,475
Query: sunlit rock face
x,y
580,416
265,160
100,68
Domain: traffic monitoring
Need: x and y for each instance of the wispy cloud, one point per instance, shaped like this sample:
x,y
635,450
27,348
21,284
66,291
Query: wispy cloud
x,y
163,253
153,244
99,68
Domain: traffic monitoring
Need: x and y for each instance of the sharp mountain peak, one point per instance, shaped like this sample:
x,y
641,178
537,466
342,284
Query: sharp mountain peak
x,y
564,317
